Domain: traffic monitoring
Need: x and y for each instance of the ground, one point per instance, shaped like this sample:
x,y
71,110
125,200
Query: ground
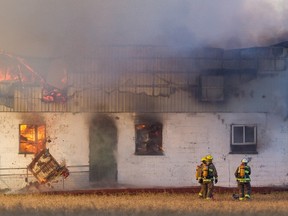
x,y
140,202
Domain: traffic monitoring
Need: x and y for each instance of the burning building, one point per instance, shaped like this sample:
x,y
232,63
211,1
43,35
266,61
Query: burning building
x,y
144,116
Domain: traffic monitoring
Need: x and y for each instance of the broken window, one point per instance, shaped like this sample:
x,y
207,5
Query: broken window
x,y
148,139
244,139
32,138
53,94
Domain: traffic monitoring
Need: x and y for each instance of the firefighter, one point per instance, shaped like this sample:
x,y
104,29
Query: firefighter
x,y
199,177
242,175
210,176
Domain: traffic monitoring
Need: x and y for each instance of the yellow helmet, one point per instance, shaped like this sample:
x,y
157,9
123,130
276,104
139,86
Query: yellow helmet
x,y
209,157
203,159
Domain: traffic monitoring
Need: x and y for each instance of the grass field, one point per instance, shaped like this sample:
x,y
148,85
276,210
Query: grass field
x,y
159,204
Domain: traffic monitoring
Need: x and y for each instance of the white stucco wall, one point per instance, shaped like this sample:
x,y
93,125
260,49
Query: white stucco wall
x,y
68,135
186,138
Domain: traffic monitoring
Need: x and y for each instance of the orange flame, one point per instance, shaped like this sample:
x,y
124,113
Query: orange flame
x,y
32,138
17,69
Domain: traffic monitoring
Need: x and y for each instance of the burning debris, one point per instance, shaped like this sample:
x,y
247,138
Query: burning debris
x,y
45,168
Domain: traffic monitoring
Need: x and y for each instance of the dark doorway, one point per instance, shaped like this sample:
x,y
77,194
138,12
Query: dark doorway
x,y
102,146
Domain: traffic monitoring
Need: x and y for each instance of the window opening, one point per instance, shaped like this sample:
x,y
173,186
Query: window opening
x,y
149,139
212,88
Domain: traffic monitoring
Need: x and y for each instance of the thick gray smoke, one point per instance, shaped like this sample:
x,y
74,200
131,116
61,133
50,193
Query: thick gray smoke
x,y
62,27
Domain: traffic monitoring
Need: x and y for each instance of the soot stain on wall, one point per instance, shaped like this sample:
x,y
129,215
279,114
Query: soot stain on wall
x,y
102,146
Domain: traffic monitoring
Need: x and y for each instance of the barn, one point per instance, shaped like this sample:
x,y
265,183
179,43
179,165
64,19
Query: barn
x,y
143,116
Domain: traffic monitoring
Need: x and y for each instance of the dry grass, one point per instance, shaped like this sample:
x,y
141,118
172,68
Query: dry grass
x,y
142,204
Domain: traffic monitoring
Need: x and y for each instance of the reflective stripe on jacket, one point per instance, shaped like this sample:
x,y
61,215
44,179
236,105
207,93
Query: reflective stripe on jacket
x,y
243,180
205,180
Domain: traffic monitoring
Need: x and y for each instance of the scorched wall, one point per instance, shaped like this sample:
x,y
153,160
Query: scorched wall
x,y
186,138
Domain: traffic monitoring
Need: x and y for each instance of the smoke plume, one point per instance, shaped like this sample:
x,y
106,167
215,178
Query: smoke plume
x,y
58,28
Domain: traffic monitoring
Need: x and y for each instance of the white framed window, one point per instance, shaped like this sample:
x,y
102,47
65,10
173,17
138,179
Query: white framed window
x,y
244,138
244,135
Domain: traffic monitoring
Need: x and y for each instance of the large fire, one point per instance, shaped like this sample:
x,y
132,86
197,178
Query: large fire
x,y
15,69
32,138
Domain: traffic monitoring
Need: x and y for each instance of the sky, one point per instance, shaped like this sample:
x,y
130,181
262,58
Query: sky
x,y
53,28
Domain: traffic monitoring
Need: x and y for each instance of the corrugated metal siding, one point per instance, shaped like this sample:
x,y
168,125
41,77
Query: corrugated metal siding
x,y
6,97
140,79
29,99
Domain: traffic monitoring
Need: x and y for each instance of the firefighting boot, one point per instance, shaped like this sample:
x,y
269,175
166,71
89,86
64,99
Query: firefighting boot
x,y
209,198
